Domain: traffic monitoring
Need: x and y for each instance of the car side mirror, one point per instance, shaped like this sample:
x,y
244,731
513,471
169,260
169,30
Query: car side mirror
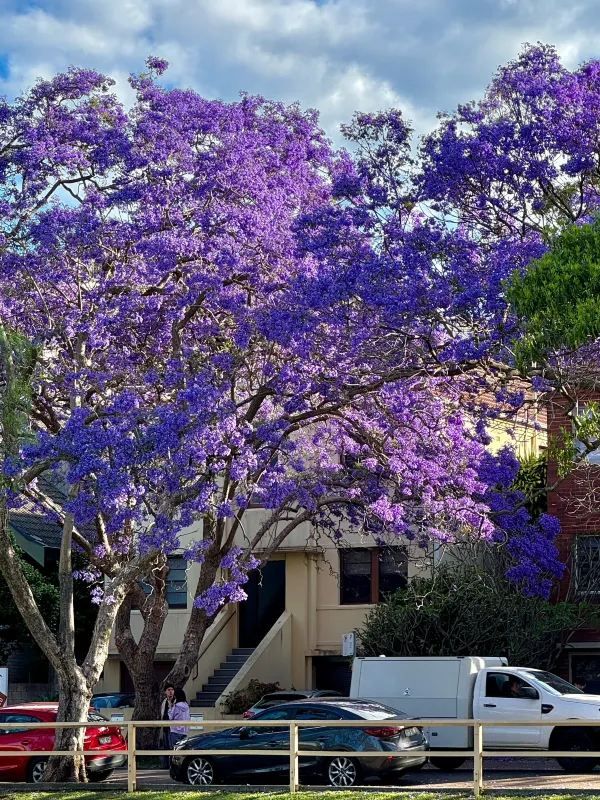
x,y
529,693
245,733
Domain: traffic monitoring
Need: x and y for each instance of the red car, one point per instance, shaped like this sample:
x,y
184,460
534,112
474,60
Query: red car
x,y
19,768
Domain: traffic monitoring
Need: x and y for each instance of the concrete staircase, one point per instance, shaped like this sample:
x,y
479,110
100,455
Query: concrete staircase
x,y
222,677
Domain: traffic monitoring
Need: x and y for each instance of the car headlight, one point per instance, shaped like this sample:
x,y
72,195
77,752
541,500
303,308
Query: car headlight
x,y
181,743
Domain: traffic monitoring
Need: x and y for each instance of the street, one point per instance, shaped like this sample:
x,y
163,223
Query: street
x,y
501,774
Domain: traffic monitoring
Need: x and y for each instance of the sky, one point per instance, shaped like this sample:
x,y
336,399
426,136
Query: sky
x,y
338,56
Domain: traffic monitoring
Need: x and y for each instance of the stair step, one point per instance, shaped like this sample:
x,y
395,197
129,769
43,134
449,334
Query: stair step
x,y
202,703
246,651
225,672
206,698
231,659
215,687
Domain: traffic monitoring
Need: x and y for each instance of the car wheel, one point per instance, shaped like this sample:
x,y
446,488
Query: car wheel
x,y
199,771
101,775
36,769
578,743
342,771
447,764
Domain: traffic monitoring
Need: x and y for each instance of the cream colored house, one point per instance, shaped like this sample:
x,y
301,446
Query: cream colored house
x,y
299,605
290,630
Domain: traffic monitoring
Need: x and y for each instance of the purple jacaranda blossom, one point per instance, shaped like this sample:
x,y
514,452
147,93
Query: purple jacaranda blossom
x,y
228,313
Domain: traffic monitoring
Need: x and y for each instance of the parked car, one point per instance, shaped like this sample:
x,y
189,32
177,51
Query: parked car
x,y
276,698
31,768
113,700
394,742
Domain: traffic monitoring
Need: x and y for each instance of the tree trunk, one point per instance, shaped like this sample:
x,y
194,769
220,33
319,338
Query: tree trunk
x,y
147,706
197,626
139,656
73,706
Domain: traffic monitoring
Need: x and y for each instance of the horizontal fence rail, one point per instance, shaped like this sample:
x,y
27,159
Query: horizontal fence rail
x,y
293,749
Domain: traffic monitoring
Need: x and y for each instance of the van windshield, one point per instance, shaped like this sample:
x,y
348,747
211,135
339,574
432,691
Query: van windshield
x,y
553,682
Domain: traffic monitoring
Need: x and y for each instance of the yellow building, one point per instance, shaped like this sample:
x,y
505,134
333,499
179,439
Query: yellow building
x,y
300,604
290,630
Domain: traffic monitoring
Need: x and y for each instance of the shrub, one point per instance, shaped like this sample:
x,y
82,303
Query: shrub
x,y
468,612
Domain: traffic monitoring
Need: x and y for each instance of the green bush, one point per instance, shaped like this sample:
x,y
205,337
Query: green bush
x,y
242,699
464,612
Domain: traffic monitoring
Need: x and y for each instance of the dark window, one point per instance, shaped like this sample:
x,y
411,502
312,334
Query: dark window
x,y
392,570
275,714
317,713
587,566
498,684
278,713
176,582
368,575
355,576
26,718
494,683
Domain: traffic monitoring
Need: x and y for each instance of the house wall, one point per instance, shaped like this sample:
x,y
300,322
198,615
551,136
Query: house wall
x,y
317,623
570,502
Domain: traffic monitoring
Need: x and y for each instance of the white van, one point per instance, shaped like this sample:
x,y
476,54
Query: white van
x,y
470,687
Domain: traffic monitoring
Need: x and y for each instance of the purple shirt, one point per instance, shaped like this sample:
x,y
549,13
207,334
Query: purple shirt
x,y
179,711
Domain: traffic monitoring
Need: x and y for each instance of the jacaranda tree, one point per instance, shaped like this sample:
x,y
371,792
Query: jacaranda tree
x,y
522,167
204,308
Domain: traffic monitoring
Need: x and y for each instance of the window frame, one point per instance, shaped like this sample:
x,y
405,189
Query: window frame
x,y
376,554
593,457
586,591
169,581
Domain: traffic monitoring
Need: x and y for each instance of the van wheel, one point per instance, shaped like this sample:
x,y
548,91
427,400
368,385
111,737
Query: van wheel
x,y
578,742
447,764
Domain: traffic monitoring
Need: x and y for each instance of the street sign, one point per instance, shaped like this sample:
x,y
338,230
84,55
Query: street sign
x,y
349,644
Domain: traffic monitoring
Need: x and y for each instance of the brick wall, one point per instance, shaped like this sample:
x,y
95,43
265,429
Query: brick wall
x,y
572,500
28,692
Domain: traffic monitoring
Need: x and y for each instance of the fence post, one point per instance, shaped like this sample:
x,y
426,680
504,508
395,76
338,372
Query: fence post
x,y
477,759
131,759
293,758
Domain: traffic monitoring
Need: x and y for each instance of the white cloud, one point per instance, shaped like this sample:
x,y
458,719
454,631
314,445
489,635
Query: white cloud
x,y
336,55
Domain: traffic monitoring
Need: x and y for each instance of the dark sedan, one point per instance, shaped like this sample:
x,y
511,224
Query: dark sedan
x,y
276,698
395,744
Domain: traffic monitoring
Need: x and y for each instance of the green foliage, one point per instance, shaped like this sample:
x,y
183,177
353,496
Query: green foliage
x,y
17,362
468,612
558,298
241,699
13,631
532,481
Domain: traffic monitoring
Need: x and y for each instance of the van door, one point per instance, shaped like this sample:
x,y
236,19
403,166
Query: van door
x,y
508,697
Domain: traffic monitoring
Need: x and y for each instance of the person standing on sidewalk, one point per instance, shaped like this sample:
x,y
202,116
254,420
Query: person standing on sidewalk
x,y
164,741
179,712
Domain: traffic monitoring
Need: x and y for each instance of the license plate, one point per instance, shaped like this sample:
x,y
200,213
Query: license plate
x,y
105,739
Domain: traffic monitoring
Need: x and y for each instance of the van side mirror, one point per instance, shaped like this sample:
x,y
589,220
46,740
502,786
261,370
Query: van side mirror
x,y
529,693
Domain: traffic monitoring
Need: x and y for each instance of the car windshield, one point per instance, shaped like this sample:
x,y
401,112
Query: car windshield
x,y
554,682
